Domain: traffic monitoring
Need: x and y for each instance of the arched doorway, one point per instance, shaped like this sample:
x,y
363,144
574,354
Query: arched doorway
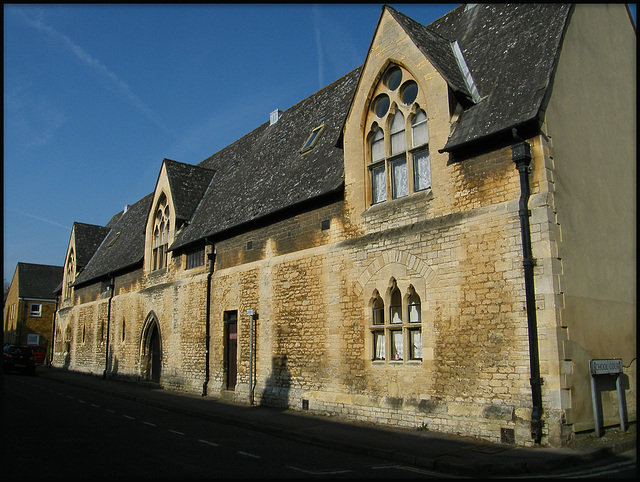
x,y
151,350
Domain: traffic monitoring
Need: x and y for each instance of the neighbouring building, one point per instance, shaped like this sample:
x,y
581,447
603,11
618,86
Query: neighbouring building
x,y
30,305
443,237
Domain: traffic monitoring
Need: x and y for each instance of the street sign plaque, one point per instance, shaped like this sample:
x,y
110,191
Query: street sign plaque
x,y
605,367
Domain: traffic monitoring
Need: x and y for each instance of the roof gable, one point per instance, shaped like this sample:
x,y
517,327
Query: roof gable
x,y
87,239
123,247
187,184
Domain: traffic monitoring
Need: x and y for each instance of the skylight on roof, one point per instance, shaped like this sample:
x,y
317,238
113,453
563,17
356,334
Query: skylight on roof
x,y
312,139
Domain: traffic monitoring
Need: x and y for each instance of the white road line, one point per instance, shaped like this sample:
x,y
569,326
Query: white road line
x,y
207,442
149,423
320,472
94,405
110,411
127,416
176,432
248,454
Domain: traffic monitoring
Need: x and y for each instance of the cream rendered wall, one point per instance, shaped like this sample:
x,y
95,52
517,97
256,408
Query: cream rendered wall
x,y
591,129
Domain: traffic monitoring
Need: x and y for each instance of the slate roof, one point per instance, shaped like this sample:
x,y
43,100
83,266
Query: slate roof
x,y
123,247
510,51
264,171
88,237
188,184
38,281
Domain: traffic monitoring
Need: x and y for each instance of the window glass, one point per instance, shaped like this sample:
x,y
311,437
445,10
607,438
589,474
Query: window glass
x,y
195,258
409,92
397,353
35,309
398,141
415,344
378,185
381,105
399,181
395,310
393,78
378,311
421,170
419,132
377,146
378,345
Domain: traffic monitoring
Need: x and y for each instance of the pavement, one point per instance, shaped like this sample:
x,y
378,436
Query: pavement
x,y
449,454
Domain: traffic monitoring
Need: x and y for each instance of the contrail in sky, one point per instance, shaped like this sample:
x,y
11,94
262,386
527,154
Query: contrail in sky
x,y
95,64
39,218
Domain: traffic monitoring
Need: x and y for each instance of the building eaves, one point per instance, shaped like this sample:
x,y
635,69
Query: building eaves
x,y
511,51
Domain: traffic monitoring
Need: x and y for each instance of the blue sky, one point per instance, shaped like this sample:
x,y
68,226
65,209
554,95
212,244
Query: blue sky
x,y
95,96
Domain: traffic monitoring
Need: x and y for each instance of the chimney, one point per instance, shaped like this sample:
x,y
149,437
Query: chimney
x,y
275,115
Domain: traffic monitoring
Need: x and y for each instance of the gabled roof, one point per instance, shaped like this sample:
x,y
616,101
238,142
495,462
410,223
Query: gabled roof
x,y
123,247
87,239
187,183
436,48
264,171
38,281
511,51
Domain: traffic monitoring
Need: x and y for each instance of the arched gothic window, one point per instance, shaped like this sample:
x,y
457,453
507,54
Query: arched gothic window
x,y
70,271
397,338
162,222
399,163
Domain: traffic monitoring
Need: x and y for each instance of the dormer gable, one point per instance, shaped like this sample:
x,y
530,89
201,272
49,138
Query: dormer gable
x,y
179,190
398,119
83,243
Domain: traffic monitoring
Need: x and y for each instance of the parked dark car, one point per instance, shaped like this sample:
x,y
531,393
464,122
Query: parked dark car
x,y
19,358
40,353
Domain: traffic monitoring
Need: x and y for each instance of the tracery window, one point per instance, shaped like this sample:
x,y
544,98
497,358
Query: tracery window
x,y
398,336
162,222
70,270
398,138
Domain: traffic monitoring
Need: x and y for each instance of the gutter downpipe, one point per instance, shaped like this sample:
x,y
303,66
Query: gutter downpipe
x,y
521,156
112,284
53,332
212,259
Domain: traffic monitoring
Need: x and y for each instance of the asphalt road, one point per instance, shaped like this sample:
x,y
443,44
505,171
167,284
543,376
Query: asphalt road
x,y
58,430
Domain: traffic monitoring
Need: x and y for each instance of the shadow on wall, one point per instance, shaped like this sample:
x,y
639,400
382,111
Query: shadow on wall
x,y
276,390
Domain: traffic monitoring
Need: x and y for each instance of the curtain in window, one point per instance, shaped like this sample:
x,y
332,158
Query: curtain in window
x,y
416,343
399,178
414,313
398,141
379,188
396,345
422,170
379,345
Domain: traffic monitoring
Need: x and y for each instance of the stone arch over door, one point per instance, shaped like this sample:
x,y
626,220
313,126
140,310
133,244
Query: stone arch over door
x,y
151,349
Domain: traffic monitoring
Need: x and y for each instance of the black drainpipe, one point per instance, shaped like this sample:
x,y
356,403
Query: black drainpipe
x,y
212,259
112,284
521,155
53,331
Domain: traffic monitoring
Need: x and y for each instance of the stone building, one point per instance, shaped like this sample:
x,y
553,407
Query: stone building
x,y
30,304
443,237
